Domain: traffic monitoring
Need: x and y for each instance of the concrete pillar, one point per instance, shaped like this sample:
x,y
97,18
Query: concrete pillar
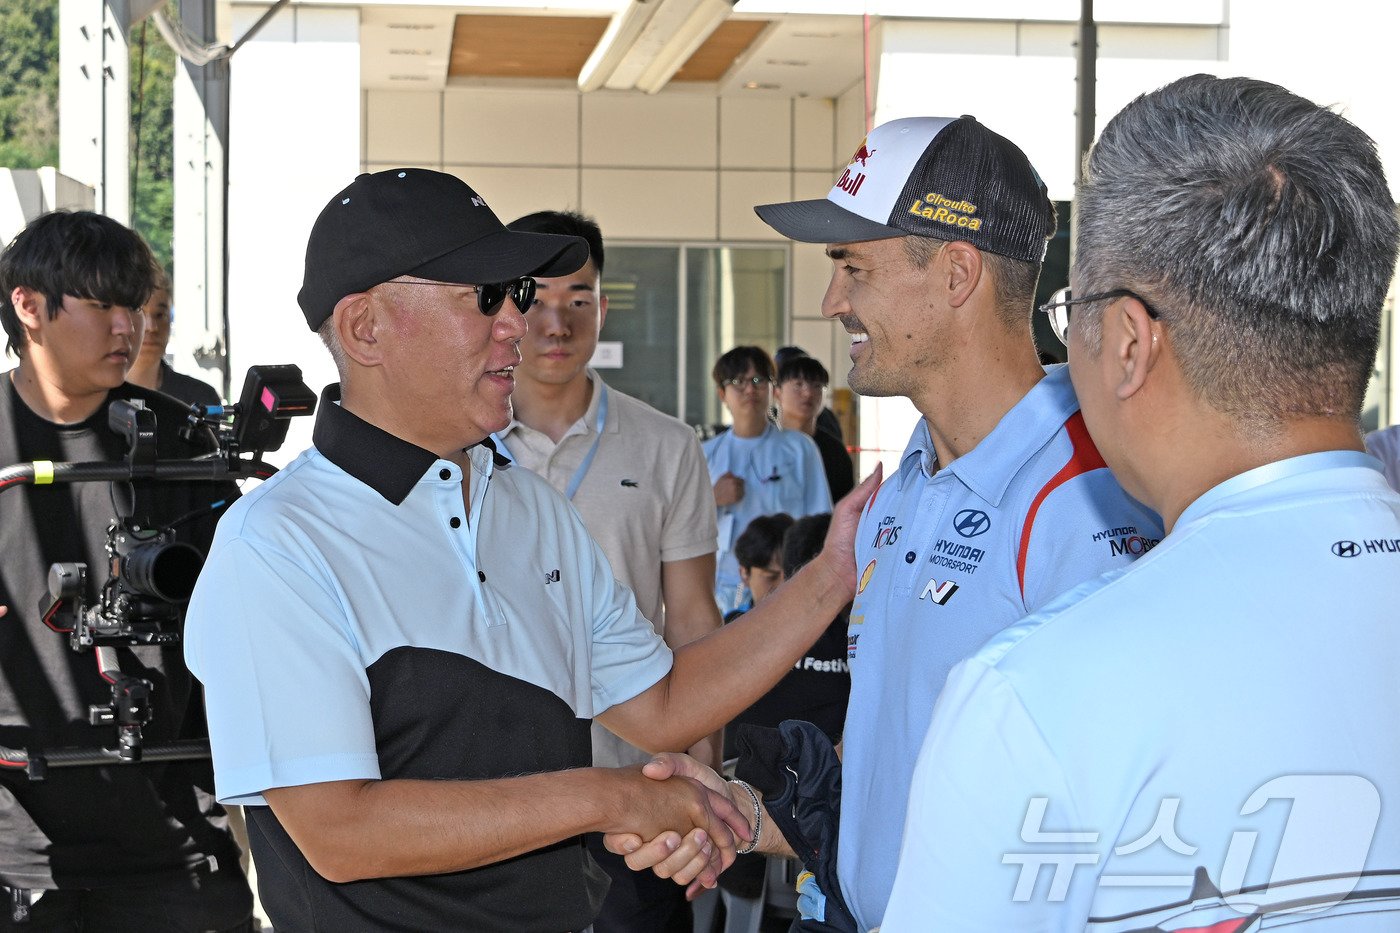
x,y
94,112
199,338
294,131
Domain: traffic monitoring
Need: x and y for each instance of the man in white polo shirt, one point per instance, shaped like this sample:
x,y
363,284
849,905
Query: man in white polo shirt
x,y
403,639
638,480
1205,740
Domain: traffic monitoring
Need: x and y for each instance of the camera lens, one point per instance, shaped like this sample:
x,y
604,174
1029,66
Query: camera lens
x,y
164,570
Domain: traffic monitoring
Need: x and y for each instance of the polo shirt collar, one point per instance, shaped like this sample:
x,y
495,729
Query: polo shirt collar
x,y
583,425
989,468
388,464
1252,485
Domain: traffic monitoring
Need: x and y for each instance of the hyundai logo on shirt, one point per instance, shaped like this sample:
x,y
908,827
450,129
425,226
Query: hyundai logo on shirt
x,y
971,522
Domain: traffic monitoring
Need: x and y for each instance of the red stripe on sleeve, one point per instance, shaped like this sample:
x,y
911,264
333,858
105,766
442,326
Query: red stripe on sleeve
x,y
1084,457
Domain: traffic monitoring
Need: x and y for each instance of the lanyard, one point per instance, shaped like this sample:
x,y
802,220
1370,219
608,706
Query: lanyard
x,y
577,479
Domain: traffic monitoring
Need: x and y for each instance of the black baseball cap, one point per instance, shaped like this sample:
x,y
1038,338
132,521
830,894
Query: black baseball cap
x,y
412,221
950,179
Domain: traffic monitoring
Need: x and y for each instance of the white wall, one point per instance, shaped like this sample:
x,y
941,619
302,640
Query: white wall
x,y
674,166
294,142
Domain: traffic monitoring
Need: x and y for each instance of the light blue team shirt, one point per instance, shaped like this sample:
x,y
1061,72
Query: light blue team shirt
x,y
782,472
1224,714
315,576
946,560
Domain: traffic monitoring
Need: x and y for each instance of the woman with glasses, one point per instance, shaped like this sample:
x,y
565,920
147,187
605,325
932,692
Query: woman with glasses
x,y
756,468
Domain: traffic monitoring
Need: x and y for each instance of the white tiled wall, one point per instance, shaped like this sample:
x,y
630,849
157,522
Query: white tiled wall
x,y
674,166
652,204
739,192
757,133
489,129
407,128
667,130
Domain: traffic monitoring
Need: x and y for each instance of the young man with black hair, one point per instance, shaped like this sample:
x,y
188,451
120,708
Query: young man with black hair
x,y
136,848
759,552
799,391
756,467
826,418
638,480
150,369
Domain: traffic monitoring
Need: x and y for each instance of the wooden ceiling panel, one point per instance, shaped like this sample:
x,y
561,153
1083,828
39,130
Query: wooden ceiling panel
x,y
523,46
728,42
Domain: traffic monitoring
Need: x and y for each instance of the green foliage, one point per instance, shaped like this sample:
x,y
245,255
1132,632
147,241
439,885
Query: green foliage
x,y
29,83
29,110
153,66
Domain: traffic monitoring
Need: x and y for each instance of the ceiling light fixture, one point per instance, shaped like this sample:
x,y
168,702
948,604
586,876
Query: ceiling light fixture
x,y
646,43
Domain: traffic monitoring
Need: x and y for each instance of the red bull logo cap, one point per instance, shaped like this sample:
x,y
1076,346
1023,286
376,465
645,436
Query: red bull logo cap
x,y
950,179
412,221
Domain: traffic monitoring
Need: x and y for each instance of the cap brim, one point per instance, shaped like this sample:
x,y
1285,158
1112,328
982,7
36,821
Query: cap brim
x,y
821,221
505,255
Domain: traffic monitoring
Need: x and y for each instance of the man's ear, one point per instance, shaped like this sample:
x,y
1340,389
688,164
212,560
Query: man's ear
x,y
30,306
602,310
356,320
1131,335
962,271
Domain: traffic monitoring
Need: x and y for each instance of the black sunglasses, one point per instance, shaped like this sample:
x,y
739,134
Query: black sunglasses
x,y
1061,301
492,296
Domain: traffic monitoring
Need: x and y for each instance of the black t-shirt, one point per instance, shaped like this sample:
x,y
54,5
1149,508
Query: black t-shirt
x,y
836,461
187,389
118,824
815,690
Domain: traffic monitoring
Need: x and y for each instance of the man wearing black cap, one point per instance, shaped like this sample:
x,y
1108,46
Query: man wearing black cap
x,y
936,231
403,640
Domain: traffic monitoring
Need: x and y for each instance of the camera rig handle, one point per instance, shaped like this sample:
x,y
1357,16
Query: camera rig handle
x,y
37,762
211,468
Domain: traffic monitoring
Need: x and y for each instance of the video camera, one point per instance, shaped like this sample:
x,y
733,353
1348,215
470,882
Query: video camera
x,y
150,574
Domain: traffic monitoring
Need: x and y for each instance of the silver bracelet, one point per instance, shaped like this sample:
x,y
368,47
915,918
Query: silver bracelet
x,y
757,817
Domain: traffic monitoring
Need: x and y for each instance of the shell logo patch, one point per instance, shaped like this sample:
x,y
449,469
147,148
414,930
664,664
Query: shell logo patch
x,y
865,576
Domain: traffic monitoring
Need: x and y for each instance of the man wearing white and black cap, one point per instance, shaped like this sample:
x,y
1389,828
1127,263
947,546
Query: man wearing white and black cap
x,y
403,640
936,231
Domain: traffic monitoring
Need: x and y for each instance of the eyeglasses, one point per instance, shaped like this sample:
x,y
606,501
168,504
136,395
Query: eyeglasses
x,y
804,384
491,297
747,381
1061,301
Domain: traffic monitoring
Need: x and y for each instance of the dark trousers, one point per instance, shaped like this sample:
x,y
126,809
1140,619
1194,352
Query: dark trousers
x,y
638,901
209,902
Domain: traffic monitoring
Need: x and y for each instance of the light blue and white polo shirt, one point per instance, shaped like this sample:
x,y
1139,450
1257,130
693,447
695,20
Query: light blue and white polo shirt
x,y
355,620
